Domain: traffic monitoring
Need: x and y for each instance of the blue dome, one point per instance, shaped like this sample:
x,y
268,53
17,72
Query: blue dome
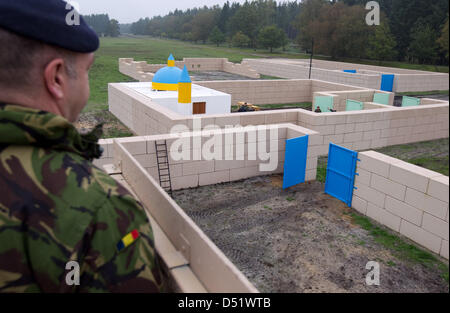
x,y
168,75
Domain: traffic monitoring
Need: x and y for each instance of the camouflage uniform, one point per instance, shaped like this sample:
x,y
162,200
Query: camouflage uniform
x,y
56,207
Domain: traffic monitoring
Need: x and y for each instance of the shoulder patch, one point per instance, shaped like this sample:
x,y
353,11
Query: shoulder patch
x,y
127,240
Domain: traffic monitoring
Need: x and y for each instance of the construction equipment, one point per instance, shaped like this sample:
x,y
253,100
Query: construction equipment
x,y
247,107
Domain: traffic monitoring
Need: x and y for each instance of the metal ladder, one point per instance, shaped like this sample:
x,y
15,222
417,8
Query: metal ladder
x,y
162,158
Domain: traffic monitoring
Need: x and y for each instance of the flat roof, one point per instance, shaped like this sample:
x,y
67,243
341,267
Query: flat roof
x,y
145,89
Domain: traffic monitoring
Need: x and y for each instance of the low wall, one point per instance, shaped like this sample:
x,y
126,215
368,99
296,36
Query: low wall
x,y
145,117
367,76
406,198
364,95
420,82
236,161
136,70
142,71
194,259
358,130
263,91
376,128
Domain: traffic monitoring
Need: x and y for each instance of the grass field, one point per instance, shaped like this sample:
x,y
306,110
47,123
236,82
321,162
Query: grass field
x,y
106,69
152,50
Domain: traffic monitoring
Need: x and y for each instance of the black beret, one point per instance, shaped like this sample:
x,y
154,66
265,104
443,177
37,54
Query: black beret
x,y
45,20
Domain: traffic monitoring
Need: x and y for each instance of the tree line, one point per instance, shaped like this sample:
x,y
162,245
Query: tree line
x,y
103,25
252,24
415,31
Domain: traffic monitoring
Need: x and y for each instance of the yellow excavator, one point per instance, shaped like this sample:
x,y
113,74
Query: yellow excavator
x,y
247,107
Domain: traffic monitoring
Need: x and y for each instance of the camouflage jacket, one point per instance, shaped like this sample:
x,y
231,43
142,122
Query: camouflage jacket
x,y
56,207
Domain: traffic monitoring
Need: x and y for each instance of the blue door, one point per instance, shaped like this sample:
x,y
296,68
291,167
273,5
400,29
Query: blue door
x,y
295,161
387,82
341,173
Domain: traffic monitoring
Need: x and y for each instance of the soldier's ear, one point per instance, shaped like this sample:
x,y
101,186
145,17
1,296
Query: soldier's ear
x,y
55,78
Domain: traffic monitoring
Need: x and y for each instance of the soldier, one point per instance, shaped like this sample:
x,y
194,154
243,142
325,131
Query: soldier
x,y
57,210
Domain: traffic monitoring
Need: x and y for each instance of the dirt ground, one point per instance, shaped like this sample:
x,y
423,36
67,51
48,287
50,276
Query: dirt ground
x,y
112,126
298,240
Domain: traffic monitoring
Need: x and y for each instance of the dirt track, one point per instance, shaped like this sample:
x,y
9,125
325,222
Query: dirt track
x,y
300,240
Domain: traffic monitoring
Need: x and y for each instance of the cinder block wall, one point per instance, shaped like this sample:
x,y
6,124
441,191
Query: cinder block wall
x,y
406,198
144,117
421,82
368,76
240,69
358,130
363,95
278,70
142,71
263,91
405,80
371,129
236,162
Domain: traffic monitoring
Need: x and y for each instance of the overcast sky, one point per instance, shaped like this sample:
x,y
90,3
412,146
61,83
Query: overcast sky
x,y
128,11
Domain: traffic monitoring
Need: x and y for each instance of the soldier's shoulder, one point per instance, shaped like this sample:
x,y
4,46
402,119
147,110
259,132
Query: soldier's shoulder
x,y
97,178
61,174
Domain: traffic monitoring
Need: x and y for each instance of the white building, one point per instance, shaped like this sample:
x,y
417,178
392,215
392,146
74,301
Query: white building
x,y
205,101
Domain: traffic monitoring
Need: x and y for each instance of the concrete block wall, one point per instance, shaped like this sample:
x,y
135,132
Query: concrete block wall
x,y
333,65
263,91
354,79
425,101
359,130
367,76
236,161
406,198
364,95
239,69
293,70
420,82
139,113
142,71
325,86
190,257
145,117
204,64
372,129
277,69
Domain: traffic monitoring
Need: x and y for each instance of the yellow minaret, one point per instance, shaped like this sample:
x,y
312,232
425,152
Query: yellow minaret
x,y
171,61
185,87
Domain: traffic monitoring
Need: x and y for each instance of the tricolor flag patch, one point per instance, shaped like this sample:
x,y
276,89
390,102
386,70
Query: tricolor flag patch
x,y
127,240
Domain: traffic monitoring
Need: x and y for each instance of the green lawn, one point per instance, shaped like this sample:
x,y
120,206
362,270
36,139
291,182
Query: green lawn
x,y
106,68
403,249
423,93
153,50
